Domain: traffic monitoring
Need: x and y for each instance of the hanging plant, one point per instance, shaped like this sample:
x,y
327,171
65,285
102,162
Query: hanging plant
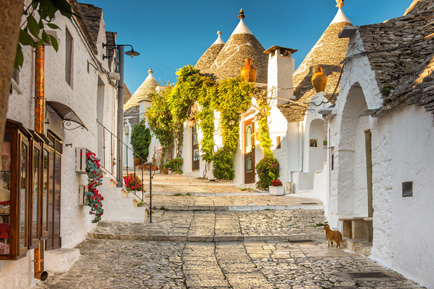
x,y
93,197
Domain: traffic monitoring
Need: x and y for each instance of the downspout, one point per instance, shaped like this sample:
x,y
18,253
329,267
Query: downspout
x,y
39,272
299,151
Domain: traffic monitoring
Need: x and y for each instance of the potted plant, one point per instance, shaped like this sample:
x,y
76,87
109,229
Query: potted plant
x,y
276,188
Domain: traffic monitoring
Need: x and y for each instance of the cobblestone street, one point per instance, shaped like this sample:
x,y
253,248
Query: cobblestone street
x,y
222,247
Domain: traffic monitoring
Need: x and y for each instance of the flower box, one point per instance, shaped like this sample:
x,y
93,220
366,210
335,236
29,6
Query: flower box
x,y
277,191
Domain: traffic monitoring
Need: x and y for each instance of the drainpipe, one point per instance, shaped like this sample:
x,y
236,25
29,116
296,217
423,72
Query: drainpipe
x,y
39,128
39,89
299,151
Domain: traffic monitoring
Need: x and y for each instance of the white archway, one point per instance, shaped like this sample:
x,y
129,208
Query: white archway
x,y
351,161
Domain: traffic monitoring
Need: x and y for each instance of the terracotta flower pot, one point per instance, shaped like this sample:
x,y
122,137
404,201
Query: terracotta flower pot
x,y
248,72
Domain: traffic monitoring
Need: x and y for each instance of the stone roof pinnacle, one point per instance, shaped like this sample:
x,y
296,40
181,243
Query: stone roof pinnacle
x,y
219,39
241,27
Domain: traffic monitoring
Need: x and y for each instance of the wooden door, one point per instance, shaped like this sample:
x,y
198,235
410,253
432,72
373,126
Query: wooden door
x,y
195,147
249,152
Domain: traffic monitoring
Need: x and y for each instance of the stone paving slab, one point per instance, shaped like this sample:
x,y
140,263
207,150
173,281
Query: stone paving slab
x,y
138,264
294,225
231,202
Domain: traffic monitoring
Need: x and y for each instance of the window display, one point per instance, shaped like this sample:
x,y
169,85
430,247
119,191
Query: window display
x,y
5,195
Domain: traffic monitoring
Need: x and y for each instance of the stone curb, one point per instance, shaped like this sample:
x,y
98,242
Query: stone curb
x,y
240,208
217,239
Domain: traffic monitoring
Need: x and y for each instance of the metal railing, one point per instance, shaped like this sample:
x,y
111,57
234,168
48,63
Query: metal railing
x,y
108,162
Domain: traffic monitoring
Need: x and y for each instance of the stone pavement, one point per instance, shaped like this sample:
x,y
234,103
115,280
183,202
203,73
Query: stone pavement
x,y
221,238
139,264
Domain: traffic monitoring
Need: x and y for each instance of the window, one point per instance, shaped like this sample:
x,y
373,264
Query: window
x,y
278,141
68,57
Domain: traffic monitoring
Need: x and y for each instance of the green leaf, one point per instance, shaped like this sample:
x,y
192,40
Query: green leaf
x,y
54,42
45,37
63,6
53,26
19,58
25,38
33,26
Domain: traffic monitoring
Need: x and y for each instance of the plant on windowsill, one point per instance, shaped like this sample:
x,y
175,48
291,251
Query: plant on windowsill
x,y
93,197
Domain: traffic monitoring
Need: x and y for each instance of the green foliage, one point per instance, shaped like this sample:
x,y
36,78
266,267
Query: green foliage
x,y
140,140
160,121
267,170
173,165
39,14
234,98
181,98
206,117
263,130
223,164
94,175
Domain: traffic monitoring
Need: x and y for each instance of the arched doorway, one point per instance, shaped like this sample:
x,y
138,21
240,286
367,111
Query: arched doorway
x,y
353,197
354,164
317,145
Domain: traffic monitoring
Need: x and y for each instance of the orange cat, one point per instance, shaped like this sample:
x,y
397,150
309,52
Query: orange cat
x,y
332,236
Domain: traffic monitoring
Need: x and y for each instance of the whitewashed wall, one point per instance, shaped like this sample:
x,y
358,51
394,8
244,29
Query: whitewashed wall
x,y
81,96
402,150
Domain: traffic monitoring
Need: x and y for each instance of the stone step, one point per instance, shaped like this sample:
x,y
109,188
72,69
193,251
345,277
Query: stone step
x,y
238,208
206,238
358,247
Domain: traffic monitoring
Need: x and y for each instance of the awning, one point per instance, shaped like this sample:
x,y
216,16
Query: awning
x,y
65,112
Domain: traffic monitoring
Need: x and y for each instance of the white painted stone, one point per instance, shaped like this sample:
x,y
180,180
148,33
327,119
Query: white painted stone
x,y
402,150
241,28
81,96
340,17
60,260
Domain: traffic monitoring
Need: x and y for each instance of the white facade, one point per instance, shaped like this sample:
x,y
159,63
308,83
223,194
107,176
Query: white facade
x,y
89,86
402,151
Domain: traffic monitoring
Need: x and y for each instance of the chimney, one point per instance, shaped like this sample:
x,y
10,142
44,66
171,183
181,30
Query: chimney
x,y
280,74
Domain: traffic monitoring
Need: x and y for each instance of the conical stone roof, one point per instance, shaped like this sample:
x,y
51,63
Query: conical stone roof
x,y
207,59
329,51
143,91
241,44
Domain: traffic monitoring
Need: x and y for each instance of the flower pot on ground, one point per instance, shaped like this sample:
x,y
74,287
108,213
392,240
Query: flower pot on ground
x,y
277,191
276,188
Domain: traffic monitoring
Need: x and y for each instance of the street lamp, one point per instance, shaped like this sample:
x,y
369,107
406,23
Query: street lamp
x,y
120,127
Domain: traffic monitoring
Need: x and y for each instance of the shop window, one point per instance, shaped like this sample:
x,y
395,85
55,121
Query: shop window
x,y
30,172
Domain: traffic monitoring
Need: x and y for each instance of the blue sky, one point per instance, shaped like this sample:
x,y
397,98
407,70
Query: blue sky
x,y
172,33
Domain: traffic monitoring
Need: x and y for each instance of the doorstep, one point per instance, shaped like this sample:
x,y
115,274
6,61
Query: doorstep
x,y
60,260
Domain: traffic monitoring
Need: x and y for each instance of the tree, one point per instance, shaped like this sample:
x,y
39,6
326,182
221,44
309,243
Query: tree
x,y
140,140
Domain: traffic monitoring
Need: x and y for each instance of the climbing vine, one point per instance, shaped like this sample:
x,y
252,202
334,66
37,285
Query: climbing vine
x,y
160,121
234,98
206,117
93,197
263,131
181,98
